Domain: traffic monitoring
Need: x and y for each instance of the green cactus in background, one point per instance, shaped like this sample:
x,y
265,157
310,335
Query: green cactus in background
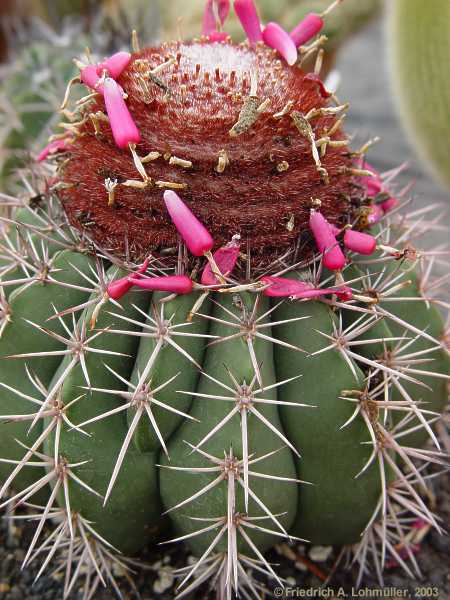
x,y
218,324
29,101
419,45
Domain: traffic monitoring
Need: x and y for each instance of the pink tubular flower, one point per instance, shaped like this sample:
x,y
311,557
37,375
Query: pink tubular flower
x,y
333,257
248,16
375,214
389,204
307,29
362,243
118,288
175,284
213,9
372,184
123,127
90,77
195,235
225,259
114,65
52,148
275,37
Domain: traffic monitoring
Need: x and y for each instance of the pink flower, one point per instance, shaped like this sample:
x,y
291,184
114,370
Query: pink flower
x,y
333,257
307,29
389,204
195,235
114,65
218,36
118,288
373,185
176,284
90,77
248,16
52,148
375,214
225,259
123,128
213,9
275,37
362,243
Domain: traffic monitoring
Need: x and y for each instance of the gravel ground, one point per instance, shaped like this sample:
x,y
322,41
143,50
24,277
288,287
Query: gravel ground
x,y
372,113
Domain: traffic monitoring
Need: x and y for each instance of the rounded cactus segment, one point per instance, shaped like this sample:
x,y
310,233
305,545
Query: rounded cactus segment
x,y
333,446
419,45
91,393
429,360
169,358
37,344
236,407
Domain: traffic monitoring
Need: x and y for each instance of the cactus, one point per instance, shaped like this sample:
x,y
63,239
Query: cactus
x,y
31,94
215,311
423,96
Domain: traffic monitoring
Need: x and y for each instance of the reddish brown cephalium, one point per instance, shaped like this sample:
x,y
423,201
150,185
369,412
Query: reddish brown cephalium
x,y
263,186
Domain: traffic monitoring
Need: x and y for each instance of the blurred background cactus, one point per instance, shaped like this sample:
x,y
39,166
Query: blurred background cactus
x,y
419,45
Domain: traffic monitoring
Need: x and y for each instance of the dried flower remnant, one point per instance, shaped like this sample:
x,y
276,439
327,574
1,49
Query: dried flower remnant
x,y
225,259
118,288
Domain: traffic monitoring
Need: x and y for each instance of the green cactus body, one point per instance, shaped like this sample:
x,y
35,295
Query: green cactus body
x,y
128,520
32,89
178,369
34,303
419,44
228,355
331,457
225,363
